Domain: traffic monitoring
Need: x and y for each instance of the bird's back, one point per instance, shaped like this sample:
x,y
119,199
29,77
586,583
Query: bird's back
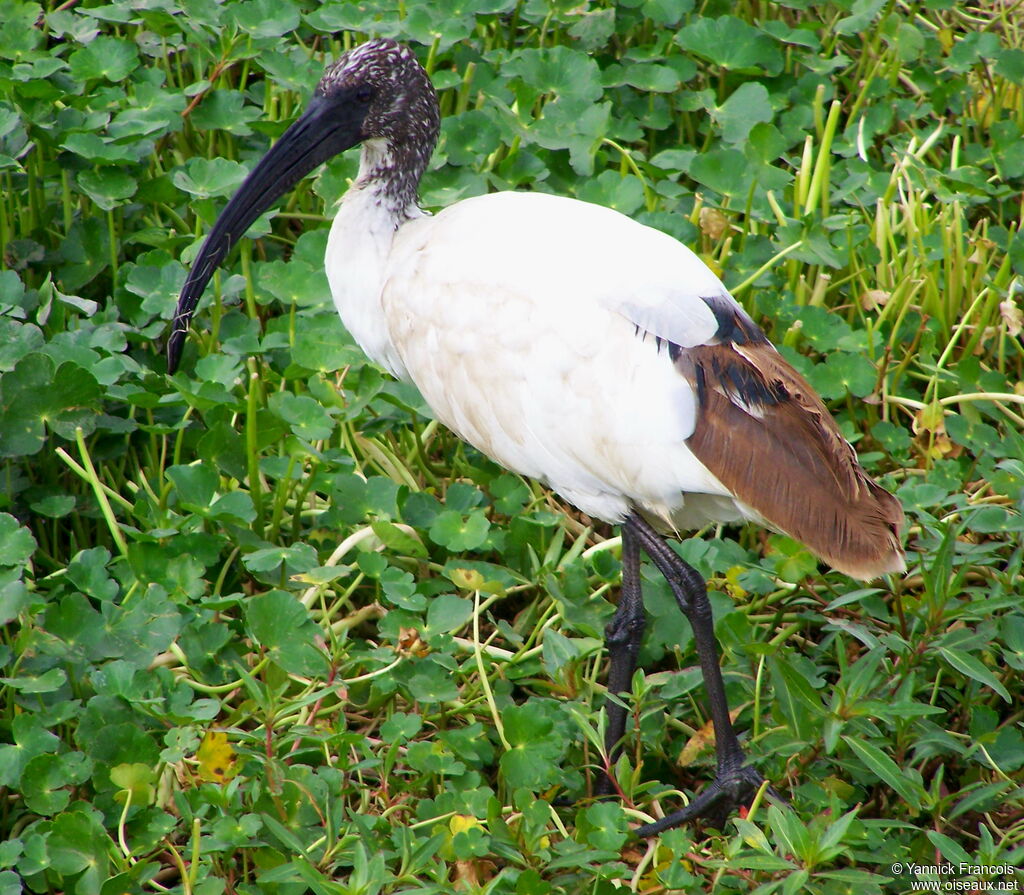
x,y
576,346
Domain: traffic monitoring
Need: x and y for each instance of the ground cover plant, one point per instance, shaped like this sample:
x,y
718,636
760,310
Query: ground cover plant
x,y
268,628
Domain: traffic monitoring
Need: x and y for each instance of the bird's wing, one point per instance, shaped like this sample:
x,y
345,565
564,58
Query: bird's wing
x,y
766,435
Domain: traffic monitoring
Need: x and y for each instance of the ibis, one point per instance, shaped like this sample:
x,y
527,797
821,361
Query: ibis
x,y
578,347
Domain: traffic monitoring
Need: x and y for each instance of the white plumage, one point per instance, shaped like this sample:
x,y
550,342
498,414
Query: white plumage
x,y
532,354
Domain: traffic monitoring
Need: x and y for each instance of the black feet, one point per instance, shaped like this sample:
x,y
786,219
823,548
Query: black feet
x,y
714,804
735,784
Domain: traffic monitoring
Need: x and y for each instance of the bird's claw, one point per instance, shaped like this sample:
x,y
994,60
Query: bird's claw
x,y
715,803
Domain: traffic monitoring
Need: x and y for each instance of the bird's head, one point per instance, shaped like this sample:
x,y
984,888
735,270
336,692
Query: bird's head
x,y
376,94
382,86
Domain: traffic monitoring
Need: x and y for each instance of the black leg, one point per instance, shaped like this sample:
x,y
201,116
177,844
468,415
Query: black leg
x,y
622,636
734,783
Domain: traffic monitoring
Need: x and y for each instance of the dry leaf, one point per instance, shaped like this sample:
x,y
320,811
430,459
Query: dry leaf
x,y
1012,316
874,299
411,644
713,223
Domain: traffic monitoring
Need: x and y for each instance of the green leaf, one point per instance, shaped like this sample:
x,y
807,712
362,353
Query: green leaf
x,y
604,825
205,178
16,542
43,783
799,704
845,373
974,47
967,664
157,285
724,170
195,485
574,124
401,727
400,589
883,767
447,613
19,34
141,628
1010,64
557,651
86,253
558,70
105,57
531,761
79,843
321,344
107,187
652,77
225,110
951,850
862,14
281,624
31,739
265,18
136,780
471,135
296,283
34,396
88,572
398,540
46,682
731,43
305,417
95,149
611,189
155,111
432,683
457,532
297,558
235,506
748,105
462,497
509,493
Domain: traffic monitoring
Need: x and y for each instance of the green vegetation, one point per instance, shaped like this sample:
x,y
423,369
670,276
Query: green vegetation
x,y
269,629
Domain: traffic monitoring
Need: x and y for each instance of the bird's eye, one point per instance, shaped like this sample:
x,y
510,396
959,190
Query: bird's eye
x,y
364,93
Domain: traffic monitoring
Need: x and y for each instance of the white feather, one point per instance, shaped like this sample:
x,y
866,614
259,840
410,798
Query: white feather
x,y
516,315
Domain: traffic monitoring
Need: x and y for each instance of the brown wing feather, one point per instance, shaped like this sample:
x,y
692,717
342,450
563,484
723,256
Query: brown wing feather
x,y
765,434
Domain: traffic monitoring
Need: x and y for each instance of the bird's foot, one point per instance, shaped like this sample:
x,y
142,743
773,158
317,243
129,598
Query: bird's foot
x,y
732,788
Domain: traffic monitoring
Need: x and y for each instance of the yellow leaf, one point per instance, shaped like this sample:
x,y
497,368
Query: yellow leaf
x,y
461,823
467,579
930,418
702,740
732,583
216,758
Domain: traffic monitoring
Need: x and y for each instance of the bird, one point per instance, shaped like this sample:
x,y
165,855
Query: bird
x,y
577,347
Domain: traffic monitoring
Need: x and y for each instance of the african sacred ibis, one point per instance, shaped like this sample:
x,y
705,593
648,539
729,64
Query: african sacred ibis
x,y
576,346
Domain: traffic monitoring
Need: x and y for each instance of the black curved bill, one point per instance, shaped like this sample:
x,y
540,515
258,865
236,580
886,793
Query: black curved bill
x,y
325,129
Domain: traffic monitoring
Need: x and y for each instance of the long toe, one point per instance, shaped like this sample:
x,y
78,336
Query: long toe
x,y
714,804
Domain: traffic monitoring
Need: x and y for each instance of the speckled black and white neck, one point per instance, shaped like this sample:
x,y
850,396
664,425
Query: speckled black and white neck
x,y
402,122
